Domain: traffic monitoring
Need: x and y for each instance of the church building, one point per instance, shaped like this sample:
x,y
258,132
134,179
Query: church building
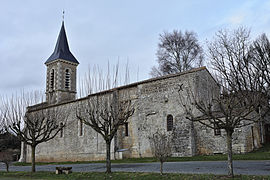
x,y
157,108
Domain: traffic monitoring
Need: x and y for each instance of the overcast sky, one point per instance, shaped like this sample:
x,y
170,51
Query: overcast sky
x,y
102,30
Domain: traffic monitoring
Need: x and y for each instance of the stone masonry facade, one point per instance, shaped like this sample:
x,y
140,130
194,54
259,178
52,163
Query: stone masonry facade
x,y
154,99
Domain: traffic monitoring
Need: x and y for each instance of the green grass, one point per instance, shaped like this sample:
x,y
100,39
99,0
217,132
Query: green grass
x,y
260,154
117,176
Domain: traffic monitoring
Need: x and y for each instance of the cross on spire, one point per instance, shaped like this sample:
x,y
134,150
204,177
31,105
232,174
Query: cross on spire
x,y
63,16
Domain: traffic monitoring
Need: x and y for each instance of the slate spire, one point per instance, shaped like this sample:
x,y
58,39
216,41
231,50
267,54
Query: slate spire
x,y
61,50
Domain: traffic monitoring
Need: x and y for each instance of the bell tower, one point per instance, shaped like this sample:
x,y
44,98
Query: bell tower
x,y
61,72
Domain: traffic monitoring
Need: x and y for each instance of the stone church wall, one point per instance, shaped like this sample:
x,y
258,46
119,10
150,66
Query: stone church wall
x,y
72,146
154,100
245,139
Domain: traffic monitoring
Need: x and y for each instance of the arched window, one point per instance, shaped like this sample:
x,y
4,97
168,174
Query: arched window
x,y
169,122
62,129
126,129
80,127
52,79
67,79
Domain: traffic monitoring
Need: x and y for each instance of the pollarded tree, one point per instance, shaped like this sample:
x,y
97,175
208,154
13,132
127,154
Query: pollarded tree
x,y
33,126
177,52
105,111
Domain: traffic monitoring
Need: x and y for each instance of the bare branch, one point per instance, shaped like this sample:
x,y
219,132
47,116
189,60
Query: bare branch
x,y
177,52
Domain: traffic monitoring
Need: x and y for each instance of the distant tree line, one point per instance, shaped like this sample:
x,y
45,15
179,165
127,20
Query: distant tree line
x,y
10,146
9,141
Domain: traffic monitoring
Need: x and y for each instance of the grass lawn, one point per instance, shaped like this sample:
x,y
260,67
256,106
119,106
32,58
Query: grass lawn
x,y
116,176
260,154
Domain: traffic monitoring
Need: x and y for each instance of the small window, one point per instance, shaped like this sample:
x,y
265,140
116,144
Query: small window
x,y
217,130
67,79
52,79
126,129
62,129
169,122
80,127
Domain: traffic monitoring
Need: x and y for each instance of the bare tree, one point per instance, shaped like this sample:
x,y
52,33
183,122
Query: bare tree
x,y
96,79
33,125
6,158
104,111
229,54
260,64
239,101
228,111
177,52
240,64
2,123
161,147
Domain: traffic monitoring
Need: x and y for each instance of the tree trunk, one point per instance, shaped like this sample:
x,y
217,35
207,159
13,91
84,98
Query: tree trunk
x,y
108,157
7,166
33,158
229,152
161,167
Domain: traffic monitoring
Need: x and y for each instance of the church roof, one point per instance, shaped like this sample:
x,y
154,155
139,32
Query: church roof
x,y
42,105
61,50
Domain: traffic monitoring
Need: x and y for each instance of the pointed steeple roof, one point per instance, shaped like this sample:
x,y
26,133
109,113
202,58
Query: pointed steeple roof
x,y
61,50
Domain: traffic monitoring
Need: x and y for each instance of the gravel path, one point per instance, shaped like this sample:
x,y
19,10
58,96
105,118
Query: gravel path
x,y
200,167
